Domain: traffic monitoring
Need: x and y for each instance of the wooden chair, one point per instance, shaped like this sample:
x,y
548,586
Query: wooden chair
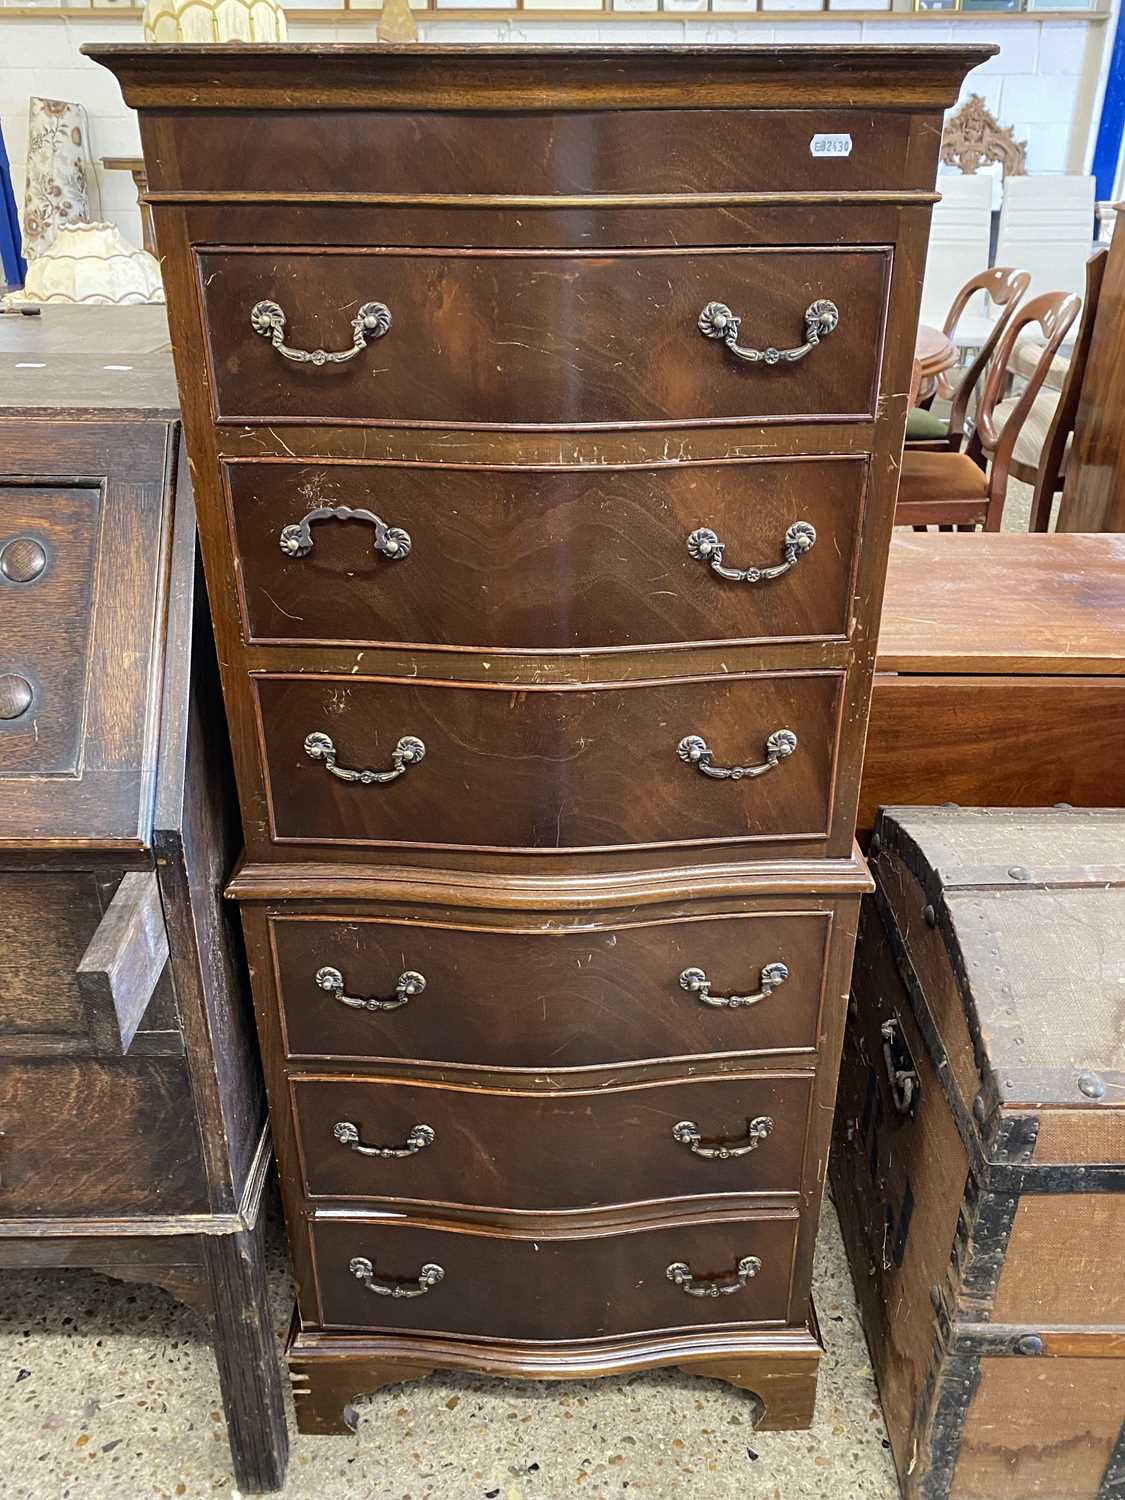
x,y
951,489
1003,286
1039,455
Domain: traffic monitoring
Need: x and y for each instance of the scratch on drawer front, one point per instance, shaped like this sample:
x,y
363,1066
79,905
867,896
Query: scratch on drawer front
x,y
278,607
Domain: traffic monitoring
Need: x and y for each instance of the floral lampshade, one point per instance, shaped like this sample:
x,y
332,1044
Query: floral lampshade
x,y
61,185
92,263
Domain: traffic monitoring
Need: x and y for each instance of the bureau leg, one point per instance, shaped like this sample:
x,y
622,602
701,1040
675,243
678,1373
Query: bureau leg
x,y
325,1388
246,1353
785,1389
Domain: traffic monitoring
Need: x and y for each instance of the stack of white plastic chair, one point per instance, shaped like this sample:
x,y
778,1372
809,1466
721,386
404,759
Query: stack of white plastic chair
x,y
959,239
1047,226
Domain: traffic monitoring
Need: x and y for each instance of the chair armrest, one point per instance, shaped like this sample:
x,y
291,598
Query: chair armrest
x,y
118,973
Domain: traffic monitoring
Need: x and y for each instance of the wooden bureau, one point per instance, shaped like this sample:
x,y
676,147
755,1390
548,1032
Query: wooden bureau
x,y
545,407
133,1136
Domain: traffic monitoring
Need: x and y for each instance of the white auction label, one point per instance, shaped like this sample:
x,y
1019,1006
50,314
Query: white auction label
x,y
831,145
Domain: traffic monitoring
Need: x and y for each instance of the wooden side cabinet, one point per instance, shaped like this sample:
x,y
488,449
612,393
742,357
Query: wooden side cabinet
x,y
133,1136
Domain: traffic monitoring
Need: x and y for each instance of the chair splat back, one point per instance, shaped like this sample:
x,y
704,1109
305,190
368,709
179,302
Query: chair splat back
x,y
950,489
1054,313
1005,286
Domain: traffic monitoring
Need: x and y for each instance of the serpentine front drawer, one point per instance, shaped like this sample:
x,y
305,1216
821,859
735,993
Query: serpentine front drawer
x,y
536,997
527,1285
536,338
376,761
472,1147
519,558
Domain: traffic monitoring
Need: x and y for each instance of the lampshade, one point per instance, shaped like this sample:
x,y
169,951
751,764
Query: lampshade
x,y
92,263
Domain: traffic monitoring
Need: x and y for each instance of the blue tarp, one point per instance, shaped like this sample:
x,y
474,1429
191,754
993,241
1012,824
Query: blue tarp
x,y
12,264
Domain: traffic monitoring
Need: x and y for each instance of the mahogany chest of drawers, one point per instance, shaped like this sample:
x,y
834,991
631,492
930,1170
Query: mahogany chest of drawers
x,y
545,407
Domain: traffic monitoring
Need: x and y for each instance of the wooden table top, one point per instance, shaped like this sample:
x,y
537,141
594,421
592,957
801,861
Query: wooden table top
x,y
934,350
1006,602
88,359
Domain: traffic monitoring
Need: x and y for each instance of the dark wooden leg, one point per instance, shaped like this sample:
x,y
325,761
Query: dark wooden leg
x,y
785,1388
247,1356
324,1389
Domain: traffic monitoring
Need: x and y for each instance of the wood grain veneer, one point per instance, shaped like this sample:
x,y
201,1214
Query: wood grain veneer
x,y
494,548
535,994
531,338
989,657
1092,491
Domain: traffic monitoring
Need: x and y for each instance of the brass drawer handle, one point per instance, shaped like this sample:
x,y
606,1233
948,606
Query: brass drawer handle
x,y
680,1272
370,322
687,1132
705,546
716,321
428,1277
406,753
695,981
296,539
410,983
696,752
419,1138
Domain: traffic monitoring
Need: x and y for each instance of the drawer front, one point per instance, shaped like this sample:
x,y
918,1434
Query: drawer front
x,y
660,151
545,1151
564,999
548,769
489,552
48,546
48,922
94,1137
597,1285
540,338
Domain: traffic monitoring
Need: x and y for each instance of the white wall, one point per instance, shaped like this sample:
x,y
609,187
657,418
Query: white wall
x,y
1043,82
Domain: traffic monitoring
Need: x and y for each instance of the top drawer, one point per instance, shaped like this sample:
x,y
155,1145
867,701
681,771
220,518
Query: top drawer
x,y
626,151
543,338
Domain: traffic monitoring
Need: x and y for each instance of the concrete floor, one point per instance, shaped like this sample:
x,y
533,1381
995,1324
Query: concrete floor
x,y
110,1393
